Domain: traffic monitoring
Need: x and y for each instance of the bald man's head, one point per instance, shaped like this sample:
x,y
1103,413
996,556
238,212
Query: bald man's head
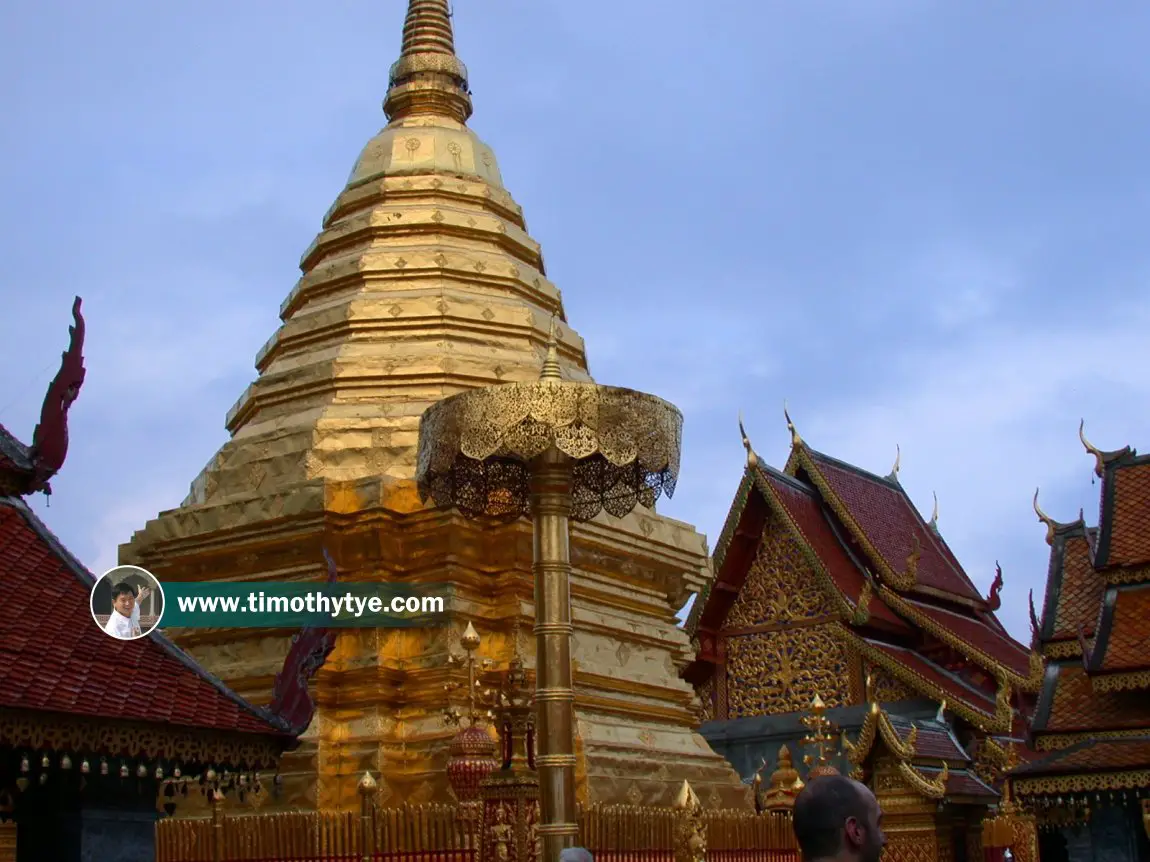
x,y
837,818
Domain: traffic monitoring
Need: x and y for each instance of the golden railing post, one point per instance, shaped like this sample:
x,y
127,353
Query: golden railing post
x,y
217,825
554,695
367,789
690,829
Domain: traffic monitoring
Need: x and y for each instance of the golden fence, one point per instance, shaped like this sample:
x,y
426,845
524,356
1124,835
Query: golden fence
x,y
628,833
436,833
411,833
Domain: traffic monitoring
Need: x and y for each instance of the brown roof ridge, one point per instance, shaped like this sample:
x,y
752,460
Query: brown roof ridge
x,y
276,724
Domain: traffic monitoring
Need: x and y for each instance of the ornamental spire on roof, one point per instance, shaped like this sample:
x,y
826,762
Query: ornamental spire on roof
x,y
428,78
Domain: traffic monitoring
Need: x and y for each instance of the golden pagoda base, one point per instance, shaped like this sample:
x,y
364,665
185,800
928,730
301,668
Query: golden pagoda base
x,y
381,693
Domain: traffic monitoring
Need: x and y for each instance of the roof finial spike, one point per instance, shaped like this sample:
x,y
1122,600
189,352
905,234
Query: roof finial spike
x,y
934,515
796,440
428,78
1099,455
893,476
551,370
1051,524
752,458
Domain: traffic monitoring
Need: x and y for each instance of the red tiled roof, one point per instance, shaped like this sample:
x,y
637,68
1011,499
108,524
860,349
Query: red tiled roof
x,y
1079,588
1091,756
1124,634
952,687
980,635
1076,706
805,511
961,782
932,741
1128,512
884,513
54,658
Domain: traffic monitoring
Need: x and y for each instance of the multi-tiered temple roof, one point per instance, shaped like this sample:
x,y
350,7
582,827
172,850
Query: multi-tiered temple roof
x,y
900,600
1091,726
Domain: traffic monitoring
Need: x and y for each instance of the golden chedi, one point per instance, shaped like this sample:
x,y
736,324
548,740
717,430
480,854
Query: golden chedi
x,y
423,283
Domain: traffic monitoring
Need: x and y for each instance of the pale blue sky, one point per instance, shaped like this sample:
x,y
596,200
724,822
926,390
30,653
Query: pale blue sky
x,y
921,223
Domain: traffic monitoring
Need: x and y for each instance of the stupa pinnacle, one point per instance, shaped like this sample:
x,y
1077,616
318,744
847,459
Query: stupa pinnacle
x,y
424,282
428,78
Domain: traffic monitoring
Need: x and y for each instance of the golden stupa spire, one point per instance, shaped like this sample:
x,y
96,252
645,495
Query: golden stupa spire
x,y
428,78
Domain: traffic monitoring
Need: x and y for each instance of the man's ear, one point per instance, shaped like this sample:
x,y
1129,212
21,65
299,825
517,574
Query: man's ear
x,y
853,832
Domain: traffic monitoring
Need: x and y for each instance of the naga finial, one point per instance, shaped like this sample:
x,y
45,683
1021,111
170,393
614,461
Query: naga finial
x,y
1099,455
796,440
994,600
752,458
1051,524
934,514
1034,627
893,475
50,438
941,714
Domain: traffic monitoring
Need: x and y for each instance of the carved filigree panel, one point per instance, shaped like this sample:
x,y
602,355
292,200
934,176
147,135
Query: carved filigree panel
x,y
885,688
777,672
706,700
912,847
780,586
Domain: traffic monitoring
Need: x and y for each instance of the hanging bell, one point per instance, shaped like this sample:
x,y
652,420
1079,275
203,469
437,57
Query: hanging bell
x,y
45,762
65,762
25,766
43,778
85,767
176,772
210,775
124,771
141,771
159,773
103,766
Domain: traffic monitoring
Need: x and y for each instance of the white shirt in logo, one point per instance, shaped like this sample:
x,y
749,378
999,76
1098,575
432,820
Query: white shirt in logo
x,y
122,627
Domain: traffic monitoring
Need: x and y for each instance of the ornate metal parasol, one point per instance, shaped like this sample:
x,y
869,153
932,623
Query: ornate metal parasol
x,y
552,450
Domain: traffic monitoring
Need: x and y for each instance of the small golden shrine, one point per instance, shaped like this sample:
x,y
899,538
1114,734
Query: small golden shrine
x,y
424,283
1086,772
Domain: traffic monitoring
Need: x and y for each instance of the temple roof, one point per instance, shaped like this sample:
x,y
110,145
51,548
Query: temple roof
x,y
884,521
55,659
1091,755
892,624
1095,623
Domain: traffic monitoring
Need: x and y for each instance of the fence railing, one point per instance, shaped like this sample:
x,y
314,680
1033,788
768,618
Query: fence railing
x,y
436,833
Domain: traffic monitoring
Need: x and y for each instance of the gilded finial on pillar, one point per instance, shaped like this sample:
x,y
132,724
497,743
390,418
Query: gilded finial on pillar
x,y
752,458
551,361
428,78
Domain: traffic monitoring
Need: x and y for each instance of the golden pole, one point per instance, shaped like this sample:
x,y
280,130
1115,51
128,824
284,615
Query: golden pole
x,y
554,695
367,788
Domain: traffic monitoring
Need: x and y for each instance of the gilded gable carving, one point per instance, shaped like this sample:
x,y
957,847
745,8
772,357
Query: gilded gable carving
x,y
780,587
781,671
706,700
885,688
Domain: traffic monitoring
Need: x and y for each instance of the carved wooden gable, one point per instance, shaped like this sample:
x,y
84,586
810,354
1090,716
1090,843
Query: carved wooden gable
x,y
780,647
780,586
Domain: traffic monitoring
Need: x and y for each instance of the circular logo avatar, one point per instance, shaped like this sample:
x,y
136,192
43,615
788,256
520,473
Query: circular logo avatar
x,y
127,602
